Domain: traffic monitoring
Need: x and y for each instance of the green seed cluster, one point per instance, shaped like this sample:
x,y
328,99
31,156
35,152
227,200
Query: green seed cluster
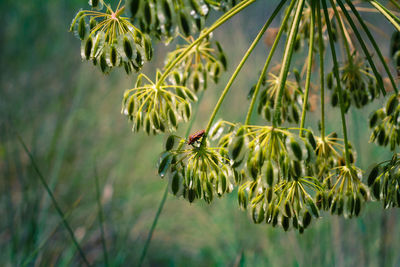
x,y
165,18
360,86
292,100
204,62
197,172
384,181
109,40
157,107
385,124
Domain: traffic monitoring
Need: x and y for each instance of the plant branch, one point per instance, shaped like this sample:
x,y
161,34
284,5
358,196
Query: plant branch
x,y
321,68
309,67
286,61
336,71
267,62
388,15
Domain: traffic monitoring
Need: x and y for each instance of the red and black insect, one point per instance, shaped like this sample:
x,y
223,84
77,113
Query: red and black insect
x,y
195,137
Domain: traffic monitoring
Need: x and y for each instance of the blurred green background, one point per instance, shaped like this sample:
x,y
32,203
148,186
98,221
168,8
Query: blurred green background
x,y
68,113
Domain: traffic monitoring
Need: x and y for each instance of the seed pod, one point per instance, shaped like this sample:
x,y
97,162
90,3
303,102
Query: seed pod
x,y
295,114
285,223
188,111
373,175
295,148
312,207
237,147
190,94
196,81
373,119
148,13
172,118
191,195
391,104
164,163
311,140
357,205
175,183
128,48
340,205
297,169
329,80
147,124
169,144
334,99
103,63
275,216
268,194
87,49
131,106
269,173
148,48
287,208
319,201
306,219
133,7
113,56
94,3
350,202
184,23
82,28
376,188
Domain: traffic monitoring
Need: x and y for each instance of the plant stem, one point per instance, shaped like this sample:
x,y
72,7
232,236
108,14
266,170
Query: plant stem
x,y
153,226
286,62
336,71
321,68
370,37
218,23
309,67
267,62
56,206
101,218
388,15
341,27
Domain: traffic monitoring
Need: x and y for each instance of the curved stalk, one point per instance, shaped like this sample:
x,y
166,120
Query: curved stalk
x,y
321,69
388,15
370,37
336,71
342,31
218,23
239,67
267,62
309,67
286,61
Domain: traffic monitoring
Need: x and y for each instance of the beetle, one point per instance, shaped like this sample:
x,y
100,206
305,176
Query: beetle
x,y
195,137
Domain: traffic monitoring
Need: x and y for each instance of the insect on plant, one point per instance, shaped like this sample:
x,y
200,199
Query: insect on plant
x,y
195,137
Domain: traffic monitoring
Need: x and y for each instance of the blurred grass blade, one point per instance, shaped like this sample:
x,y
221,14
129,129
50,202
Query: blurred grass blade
x,y
388,15
153,226
101,217
57,207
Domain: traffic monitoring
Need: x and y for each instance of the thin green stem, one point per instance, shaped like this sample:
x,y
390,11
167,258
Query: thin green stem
x,y
394,2
164,198
239,67
336,71
321,69
386,12
101,218
370,37
55,203
342,31
218,23
153,226
309,67
286,62
267,62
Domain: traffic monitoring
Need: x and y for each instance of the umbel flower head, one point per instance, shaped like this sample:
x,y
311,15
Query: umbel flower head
x,y
157,107
196,171
109,39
